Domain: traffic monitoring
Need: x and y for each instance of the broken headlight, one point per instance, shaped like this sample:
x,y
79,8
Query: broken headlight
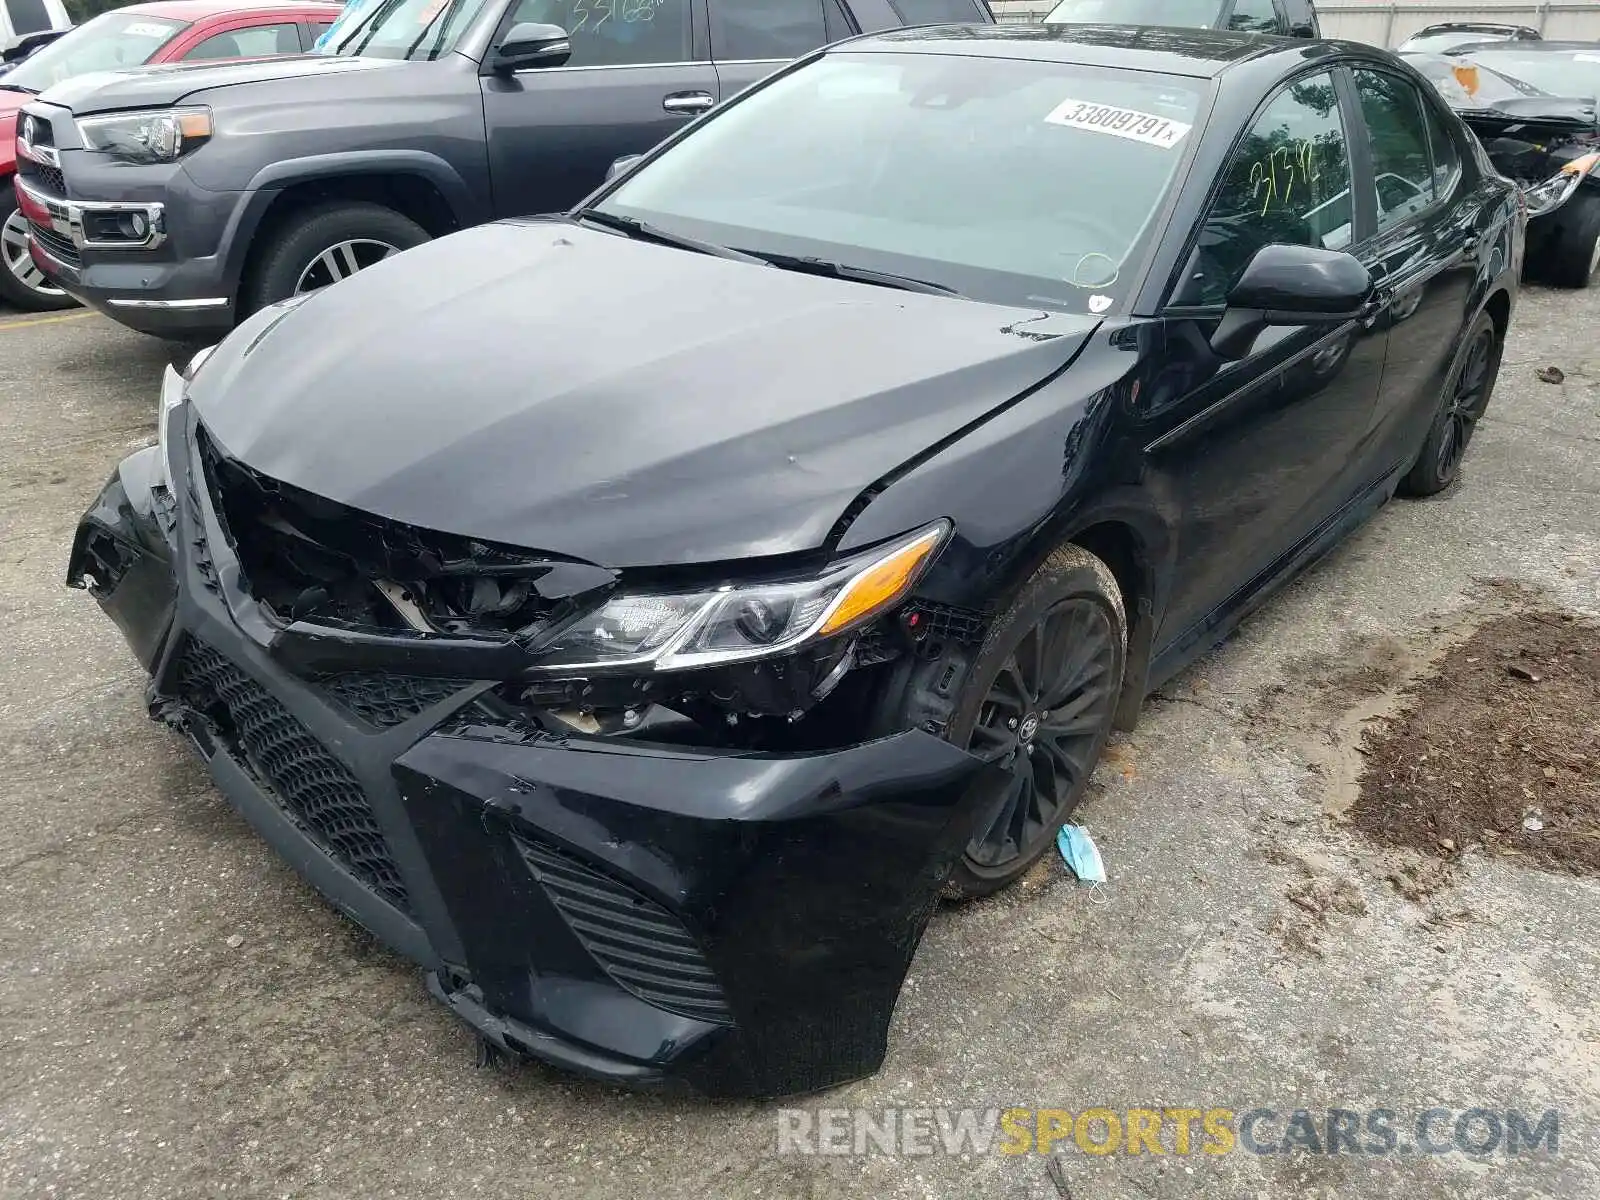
x,y
670,631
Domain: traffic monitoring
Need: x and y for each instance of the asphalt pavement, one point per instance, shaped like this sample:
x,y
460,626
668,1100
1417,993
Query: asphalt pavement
x,y
181,1017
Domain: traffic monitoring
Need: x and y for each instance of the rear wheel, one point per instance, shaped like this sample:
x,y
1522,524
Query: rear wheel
x,y
1039,702
1572,256
1462,405
322,245
22,284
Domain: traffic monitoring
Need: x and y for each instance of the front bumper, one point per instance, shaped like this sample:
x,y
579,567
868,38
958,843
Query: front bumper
x,y
631,911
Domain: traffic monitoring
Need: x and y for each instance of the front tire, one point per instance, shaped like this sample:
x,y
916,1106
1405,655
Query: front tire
x,y
1039,700
322,245
22,284
1461,407
1572,256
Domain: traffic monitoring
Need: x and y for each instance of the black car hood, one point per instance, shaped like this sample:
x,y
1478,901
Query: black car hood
x,y
565,389
150,87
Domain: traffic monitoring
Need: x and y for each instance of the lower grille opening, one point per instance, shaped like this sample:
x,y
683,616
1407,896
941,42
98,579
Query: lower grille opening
x,y
312,787
638,943
386,700
57,247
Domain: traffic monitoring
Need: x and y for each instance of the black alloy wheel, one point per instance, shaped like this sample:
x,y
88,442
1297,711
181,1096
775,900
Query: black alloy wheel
x,y
1462,406
1039,703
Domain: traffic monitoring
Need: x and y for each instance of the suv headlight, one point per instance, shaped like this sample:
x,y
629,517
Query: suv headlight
x,y
669,631
147,137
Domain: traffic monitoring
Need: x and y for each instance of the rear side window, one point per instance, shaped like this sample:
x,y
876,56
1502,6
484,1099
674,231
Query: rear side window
x,y
1254,16
258,41
1289,182
766,28
615,32
1401,163
1446,158
936,12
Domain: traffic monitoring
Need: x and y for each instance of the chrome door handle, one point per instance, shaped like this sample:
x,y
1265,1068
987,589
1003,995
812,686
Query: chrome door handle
x,y
688,102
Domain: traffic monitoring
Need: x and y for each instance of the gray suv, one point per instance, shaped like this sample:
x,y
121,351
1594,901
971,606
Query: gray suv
x,y
180,199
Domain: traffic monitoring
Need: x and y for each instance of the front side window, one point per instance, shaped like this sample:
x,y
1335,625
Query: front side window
x,y
1401,165
111,42
1189,14
1018,182
1289,182
258,41
617,32
776,29
1254,16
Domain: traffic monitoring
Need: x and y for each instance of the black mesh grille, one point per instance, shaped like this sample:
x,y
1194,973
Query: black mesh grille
x,y
386,700
47,177
307,782
57,247
642,946
949,623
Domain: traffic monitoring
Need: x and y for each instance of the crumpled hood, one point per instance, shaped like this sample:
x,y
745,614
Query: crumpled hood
x,y
565,389
171,83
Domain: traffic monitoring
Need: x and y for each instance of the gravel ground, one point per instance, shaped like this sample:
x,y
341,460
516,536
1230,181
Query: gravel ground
x,y
182,1017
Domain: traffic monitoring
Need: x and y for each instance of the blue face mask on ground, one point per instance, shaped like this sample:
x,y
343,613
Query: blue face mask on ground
x,y
1081,855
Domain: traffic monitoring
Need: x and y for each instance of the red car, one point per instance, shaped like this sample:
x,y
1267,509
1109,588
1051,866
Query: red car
x,y
167,32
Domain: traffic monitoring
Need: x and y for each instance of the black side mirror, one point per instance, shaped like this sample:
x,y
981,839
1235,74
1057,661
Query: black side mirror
x,y
622,166
530,44
1291,285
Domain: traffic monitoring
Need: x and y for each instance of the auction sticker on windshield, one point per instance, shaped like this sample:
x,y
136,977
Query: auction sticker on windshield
x,y
1128,123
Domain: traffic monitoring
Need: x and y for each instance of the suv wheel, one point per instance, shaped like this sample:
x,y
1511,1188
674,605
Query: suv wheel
x,y
22,284
1574,255
325,244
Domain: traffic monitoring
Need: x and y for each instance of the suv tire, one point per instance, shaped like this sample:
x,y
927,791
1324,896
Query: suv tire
x,y
321,245
1573,258
23,288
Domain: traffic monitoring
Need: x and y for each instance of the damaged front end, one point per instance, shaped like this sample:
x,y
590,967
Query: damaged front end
x,y
638,825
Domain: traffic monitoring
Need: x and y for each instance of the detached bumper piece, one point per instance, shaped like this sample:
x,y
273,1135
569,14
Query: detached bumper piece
x,y
634,911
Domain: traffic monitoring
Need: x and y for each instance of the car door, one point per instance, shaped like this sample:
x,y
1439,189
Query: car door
x,y
1426,244
1253,451
639,70
750,39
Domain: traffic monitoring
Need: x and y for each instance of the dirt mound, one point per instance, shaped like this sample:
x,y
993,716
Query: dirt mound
x,y
1499,746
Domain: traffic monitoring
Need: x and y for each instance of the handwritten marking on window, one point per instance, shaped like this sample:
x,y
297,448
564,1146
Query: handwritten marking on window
x,y
1273,179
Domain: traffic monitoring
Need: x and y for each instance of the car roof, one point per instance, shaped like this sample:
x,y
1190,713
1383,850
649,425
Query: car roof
x,y
1474,27
1526,48
198,10
1199,53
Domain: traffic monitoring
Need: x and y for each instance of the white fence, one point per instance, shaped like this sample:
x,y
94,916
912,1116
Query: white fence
x,y
1388,22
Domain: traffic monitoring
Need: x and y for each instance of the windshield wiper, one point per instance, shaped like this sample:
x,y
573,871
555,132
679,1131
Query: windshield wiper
x,y
636,228
836,270
17,87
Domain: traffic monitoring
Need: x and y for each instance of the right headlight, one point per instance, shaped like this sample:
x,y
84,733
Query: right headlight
x,y
147,137
668,631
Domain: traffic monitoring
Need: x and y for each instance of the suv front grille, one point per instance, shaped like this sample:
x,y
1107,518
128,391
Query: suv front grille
x,y
44,176
638,943
57,247
312,787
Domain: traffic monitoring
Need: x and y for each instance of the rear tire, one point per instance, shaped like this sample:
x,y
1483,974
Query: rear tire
x,y
323,244
1461,406
1039,699
1572,255
23,285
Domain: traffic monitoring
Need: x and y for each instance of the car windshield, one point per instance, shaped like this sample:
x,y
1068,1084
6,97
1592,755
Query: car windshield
x,y
1572,73
405,29
107,43
1465,83
1017,182
1192,14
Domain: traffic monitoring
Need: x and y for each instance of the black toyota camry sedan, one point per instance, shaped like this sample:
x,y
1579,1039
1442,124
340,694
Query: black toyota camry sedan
x,y
641,617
